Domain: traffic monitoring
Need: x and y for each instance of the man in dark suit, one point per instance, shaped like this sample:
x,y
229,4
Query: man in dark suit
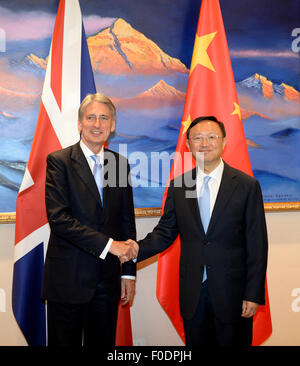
x,y
222,263
90,212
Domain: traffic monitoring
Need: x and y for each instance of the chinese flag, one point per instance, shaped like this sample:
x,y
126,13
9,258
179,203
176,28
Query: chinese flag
x,y
124,332
211,91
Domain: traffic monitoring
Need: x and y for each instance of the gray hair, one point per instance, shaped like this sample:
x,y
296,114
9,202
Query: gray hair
x,y
100,98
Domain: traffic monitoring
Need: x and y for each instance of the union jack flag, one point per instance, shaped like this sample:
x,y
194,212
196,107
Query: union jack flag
x,y
69,78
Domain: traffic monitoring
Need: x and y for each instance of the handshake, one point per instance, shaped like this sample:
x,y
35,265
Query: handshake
x,y
125,250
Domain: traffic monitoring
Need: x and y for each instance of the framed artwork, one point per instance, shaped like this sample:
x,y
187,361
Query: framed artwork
x,y
141,53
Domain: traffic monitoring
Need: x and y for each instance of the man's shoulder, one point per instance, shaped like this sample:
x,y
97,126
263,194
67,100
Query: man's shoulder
x,y
113,154
185,180
61,152
239,174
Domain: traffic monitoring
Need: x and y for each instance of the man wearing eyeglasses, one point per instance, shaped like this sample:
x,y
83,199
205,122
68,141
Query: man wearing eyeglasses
x,y
218,212
90,211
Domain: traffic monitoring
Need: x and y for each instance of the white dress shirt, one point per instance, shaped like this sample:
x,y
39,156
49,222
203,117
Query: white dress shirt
x,y
88,153
214,183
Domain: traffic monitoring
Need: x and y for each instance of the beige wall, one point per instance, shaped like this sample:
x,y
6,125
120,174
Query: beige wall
x,y
150,324
9,331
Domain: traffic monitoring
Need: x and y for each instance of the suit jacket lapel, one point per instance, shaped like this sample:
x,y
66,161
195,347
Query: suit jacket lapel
x,y
227,186
84,172
191,196
106,188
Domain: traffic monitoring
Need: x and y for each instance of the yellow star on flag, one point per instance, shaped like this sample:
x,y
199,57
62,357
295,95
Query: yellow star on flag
x,y
237,110
200,55
186,124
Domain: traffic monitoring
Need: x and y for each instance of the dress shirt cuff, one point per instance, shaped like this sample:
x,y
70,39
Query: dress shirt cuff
x,y
106,249
128,277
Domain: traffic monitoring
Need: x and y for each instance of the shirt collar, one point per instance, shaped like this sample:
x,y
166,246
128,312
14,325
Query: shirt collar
x,y
88,153
216,174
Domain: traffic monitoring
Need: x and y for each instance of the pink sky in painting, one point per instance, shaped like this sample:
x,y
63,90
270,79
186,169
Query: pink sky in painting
x,y
34,25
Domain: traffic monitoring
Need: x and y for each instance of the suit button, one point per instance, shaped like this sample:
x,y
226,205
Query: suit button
x,y
205,242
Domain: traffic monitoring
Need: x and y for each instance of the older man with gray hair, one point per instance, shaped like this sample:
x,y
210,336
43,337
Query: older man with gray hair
x,y
90,218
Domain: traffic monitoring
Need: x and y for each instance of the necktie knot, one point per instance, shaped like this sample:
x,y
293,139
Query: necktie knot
x,y
206,180
96,159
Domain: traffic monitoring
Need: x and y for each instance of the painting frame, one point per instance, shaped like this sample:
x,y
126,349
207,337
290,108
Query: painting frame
x,y
244,57
10,217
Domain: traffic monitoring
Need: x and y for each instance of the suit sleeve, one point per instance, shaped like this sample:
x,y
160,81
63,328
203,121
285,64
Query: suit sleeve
x,y
164,234
127,222
257,246
59,211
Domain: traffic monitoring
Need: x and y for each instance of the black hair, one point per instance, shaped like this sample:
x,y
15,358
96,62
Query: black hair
x,y
206,118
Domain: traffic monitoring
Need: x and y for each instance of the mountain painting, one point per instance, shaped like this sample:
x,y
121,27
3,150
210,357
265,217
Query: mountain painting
x,y
140,54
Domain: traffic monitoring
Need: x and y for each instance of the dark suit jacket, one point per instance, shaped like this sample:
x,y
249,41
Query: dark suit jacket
x,y
234,249
81,227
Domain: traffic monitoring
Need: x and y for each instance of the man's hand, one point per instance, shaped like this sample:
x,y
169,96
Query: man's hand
x,y
127,290
125,251
135,247
249,309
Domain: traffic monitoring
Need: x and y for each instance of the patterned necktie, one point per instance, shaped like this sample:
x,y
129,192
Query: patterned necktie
x,y
98,174
204,208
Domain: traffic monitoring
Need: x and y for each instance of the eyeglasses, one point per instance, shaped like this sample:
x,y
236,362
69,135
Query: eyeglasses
x,y
102,118
210,139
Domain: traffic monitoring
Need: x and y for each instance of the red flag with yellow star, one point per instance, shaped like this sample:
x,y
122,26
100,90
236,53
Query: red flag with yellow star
x,y
211,91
